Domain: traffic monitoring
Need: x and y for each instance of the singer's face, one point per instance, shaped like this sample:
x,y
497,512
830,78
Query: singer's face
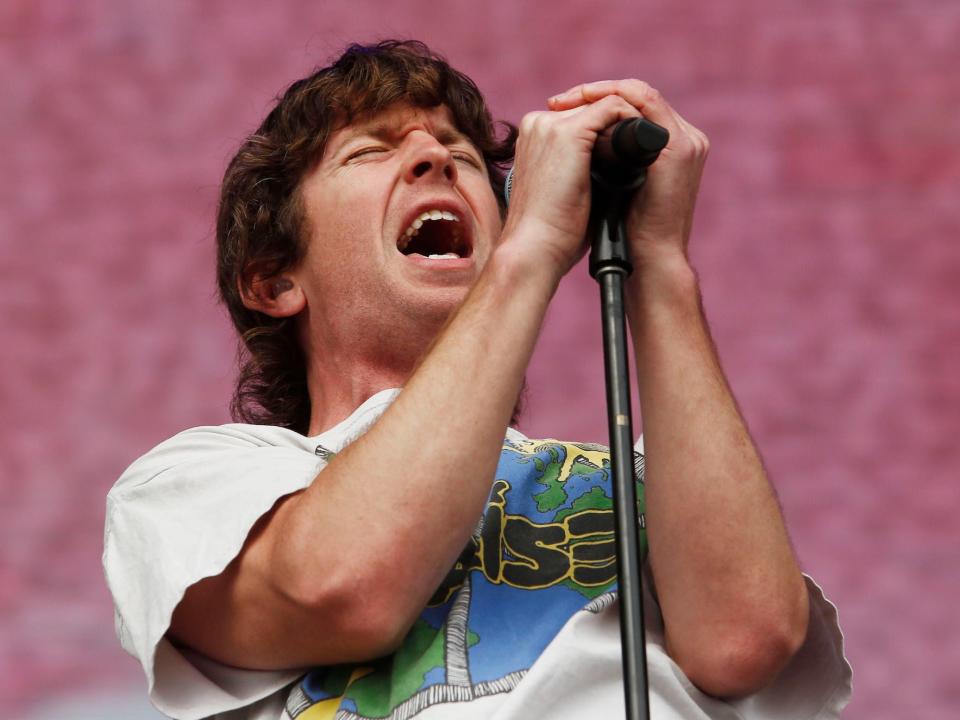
x,y
401,219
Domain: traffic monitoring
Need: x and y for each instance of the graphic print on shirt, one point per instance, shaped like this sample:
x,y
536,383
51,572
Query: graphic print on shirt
x,y
543,551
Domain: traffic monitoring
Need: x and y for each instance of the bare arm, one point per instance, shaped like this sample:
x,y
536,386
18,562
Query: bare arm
x,y
734,602
339,571
733,599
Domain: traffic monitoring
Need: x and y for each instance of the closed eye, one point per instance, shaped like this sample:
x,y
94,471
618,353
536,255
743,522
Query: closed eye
x,y
467,158
365,151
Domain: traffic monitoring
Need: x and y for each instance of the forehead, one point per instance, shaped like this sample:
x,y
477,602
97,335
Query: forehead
x,y
395,121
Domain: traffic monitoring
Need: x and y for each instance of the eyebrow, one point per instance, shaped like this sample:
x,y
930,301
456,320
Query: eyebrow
x,y
384,131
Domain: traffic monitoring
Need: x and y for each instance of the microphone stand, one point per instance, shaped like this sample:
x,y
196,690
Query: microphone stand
x,y
614,184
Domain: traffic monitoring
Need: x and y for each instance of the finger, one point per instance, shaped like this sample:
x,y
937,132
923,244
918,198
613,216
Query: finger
x,y
638,93
593,117
601,114
582,94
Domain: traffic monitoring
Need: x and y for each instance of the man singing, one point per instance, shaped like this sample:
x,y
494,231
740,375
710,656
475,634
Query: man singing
x,y
375,540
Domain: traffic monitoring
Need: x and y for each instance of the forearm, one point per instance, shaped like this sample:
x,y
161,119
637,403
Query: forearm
x,y
390,514
730,589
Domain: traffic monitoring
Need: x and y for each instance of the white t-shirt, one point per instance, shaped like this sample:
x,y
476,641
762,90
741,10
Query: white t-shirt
x,y
526,626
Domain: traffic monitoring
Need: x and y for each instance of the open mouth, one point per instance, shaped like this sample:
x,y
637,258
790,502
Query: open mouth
x,y
435,234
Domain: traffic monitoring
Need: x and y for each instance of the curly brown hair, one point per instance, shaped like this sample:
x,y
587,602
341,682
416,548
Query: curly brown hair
x,y
260,219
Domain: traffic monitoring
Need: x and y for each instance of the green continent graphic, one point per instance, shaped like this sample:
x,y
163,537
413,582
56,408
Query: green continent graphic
x,y
596,499
555,495
402,675
399,678
554,474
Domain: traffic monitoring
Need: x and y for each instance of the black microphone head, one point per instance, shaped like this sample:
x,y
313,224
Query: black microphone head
x,y
638,142
623,152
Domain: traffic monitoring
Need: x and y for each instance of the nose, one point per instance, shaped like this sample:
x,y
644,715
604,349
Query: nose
x,y
428,159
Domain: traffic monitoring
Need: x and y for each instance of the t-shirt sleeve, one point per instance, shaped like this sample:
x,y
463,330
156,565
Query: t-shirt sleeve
x,y
179,514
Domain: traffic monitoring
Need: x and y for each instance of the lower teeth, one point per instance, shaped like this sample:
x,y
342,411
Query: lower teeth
x,y
445,255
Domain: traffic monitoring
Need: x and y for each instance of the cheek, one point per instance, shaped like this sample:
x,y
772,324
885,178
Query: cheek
x,y
341,237
486,209
493,221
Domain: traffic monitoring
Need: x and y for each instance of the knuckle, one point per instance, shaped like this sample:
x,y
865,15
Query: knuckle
x,y
686,146
699,139
530,120
556,130
617,101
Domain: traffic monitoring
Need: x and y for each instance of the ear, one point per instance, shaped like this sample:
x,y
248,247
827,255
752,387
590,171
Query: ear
x,y
278,296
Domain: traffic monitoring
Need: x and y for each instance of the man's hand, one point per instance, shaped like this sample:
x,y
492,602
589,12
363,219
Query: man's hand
x,y
550,200
661,216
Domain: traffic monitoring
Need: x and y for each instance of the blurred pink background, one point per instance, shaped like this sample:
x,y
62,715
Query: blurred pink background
x,y
826,240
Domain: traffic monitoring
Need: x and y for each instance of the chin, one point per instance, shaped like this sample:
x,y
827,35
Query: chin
x,y
442,308
434,306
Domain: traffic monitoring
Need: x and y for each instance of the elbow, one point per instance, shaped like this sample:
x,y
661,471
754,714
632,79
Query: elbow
x,y
749,658
742,665
375,628
362,621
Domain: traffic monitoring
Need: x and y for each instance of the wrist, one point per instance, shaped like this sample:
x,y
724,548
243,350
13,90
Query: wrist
x,y
662,277
521,257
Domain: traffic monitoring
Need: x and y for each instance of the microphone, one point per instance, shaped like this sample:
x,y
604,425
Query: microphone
x,y
621,154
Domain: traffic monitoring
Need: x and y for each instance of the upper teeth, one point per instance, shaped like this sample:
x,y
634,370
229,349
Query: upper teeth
x,y
420,220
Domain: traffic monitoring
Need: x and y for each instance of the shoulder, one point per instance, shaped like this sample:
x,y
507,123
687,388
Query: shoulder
x,y
236,435
216,446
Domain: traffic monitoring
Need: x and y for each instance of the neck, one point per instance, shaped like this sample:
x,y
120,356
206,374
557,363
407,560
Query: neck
x,y
337,389
341,376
